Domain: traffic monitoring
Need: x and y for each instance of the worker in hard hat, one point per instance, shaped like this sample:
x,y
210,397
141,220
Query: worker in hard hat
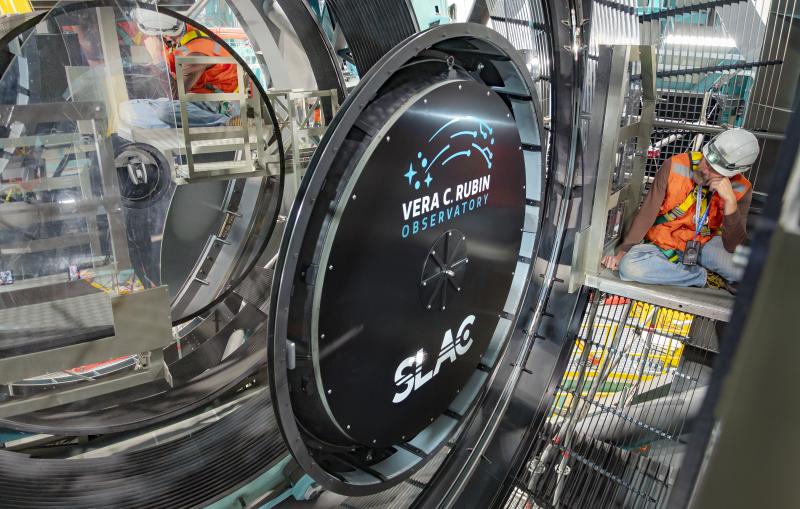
x,y
693,218
182,40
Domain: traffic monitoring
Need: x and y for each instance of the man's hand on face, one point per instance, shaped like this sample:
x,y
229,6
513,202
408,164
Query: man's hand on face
x,y
612,261
722,186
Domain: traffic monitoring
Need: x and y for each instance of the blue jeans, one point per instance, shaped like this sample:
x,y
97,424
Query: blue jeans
x,y
201,114
645,263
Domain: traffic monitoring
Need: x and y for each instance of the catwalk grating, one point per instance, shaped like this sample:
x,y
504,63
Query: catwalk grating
x,y
622,414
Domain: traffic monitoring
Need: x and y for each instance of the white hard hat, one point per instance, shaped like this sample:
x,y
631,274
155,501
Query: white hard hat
x,y
154,23
732,152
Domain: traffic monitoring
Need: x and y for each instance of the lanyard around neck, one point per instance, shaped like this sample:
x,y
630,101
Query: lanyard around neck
x,y
700,221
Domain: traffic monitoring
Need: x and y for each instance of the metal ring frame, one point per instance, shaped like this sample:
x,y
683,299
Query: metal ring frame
x,y
503,54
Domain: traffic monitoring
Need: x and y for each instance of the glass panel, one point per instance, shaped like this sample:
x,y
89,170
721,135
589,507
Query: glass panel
x,y
92,140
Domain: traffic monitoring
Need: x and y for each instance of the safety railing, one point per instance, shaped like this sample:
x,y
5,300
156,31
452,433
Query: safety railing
x,y
251,160
303,117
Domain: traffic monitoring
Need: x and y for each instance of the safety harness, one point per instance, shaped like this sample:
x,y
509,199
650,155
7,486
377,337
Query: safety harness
x,y
685,206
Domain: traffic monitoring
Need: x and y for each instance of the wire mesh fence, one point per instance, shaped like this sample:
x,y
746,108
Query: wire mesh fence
x,y
720,63
618,426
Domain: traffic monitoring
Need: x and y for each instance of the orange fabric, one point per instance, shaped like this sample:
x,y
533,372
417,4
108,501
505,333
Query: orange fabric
x,y
674,234
222,77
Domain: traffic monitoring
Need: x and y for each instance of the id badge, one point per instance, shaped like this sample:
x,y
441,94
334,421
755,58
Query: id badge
x,y
691,253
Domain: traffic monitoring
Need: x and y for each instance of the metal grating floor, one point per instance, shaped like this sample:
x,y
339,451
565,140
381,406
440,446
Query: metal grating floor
x,y
619,423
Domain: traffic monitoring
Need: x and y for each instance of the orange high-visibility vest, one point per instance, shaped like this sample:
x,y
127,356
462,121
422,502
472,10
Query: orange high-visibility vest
x,y
217,78
674,233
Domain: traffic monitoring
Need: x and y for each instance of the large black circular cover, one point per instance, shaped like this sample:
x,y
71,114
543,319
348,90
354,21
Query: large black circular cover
x,y
448,171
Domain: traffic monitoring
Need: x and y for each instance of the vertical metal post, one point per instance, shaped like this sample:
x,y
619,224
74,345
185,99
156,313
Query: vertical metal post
x,y
633,193
115,85
612,112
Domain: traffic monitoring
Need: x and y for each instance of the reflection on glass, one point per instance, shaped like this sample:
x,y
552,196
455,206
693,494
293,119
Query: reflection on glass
x,y
91,114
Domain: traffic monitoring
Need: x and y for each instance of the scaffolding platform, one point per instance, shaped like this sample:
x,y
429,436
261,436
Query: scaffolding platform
x,y
708,302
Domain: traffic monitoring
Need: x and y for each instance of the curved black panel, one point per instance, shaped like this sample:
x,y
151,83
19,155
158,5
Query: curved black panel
x,y
373,27
190,471
316,45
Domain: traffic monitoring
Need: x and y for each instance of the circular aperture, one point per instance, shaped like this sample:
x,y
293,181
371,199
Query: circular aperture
x,y
444,270
449,162
143,173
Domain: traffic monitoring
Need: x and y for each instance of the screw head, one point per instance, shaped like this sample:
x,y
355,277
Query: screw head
x,y
444,308
348,426
429,306
424,283
388,138
322,336
354,197
330,267
433,252
329,391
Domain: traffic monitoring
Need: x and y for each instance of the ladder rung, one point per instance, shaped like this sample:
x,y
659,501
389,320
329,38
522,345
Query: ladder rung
x,y
217,96
227,134
218,147
221,166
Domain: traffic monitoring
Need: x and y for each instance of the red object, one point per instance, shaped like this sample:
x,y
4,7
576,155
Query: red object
x,y
218,77
614,300
91,367
653,153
